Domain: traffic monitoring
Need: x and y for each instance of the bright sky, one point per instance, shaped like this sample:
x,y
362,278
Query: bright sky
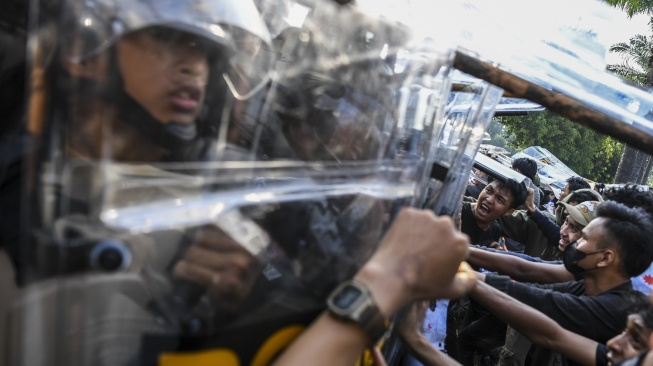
x,y
627,28
488,23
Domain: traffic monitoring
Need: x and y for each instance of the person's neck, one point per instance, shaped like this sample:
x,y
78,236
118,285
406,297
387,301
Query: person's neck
x,y
481,224
600,282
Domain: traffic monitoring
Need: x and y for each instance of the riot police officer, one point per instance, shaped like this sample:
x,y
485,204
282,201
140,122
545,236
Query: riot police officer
x,y
189,200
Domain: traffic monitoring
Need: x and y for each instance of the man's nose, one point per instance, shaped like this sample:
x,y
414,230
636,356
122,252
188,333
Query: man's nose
x,y
192,60
563,230
616,344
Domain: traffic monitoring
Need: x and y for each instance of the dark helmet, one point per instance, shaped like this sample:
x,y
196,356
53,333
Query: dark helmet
x,y
98,24
231,34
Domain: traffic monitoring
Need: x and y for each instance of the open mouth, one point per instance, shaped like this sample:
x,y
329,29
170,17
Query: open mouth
x,y
482,209
186,99
562,244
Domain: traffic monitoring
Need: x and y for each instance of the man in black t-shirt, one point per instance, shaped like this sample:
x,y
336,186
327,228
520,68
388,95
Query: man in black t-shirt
x,y
478,236
615,246
547,332
479,219
480,331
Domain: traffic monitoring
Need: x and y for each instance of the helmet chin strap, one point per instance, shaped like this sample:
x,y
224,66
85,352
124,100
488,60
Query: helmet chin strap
x,y
171,136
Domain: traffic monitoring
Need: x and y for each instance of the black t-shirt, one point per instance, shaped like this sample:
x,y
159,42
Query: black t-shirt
x,y
476,235
598,317
602,355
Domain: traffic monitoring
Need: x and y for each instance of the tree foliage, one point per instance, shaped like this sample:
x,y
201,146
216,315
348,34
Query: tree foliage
x,y
498,136
633,7
590,154
636,54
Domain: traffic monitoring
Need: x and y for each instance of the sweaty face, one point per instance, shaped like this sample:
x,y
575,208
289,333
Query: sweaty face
x,y
632,341
492,203
166,72
570,231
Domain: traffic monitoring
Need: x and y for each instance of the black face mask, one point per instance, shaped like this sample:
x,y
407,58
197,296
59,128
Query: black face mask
x,y
571,256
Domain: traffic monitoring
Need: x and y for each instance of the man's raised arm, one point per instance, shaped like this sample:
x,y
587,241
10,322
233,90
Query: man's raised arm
x,y
518,268
395,275
536,326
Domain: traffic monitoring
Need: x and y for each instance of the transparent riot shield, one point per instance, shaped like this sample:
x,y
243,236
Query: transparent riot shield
x,y
466,118
459,131
199,186
422,110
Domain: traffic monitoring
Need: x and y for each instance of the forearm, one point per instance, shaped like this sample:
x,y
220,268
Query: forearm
x,y
326,342
518,268
504,264
395,275
490,260
329,341
531,323
425,353
535,325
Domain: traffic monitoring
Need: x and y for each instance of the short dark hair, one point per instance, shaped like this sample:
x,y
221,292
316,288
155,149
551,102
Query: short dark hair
x,y
576,183
630,230
582,197
526,166
637,303
631,196
518,191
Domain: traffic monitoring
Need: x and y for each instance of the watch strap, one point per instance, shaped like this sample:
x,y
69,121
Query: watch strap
x,y
373,323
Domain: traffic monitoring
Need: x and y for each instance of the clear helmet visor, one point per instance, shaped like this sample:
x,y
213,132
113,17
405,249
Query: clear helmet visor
x,y
234,26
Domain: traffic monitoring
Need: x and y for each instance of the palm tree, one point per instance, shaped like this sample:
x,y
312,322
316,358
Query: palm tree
x,y
635,166
636,55
633,7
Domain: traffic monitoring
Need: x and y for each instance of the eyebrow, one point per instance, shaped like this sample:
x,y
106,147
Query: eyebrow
x,y
574,226
503,192
636,322
638,328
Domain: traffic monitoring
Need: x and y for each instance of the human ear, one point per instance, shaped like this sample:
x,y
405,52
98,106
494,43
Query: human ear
x,y
509,212
607,258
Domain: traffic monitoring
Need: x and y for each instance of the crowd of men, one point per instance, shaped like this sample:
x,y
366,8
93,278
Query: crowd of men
x,y
582,290
528,310
578,310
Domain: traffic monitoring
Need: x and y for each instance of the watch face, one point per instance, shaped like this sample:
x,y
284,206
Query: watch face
x,y
347,297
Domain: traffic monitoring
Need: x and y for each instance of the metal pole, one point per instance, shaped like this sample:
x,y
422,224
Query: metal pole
x,y
556,102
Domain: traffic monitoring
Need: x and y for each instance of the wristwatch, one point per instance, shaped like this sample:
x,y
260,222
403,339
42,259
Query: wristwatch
x,y
352,301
